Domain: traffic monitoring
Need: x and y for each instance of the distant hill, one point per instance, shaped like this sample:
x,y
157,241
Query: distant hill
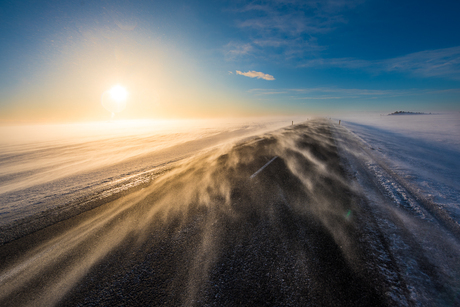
x,y
407,113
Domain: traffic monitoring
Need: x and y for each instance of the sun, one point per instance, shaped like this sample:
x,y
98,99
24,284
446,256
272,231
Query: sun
x,y
114,100
118,93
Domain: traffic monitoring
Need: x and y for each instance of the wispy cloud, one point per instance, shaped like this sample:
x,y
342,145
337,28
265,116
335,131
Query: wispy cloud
x,y
255,74
446,91
233,50
296,17
287,30
429,63
350,91
323,93
318,98
267,92
349,63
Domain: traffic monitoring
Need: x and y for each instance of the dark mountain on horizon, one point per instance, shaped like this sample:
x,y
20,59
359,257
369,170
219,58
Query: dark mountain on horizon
x,y
408,113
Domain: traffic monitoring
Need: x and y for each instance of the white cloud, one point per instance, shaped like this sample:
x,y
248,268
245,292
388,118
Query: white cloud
x,y
255,74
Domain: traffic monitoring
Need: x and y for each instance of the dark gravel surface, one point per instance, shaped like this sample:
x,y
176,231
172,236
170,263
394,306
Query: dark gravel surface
x,y
207,234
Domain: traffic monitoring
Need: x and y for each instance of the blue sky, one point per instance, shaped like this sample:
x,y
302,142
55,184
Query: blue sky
x,y
227,58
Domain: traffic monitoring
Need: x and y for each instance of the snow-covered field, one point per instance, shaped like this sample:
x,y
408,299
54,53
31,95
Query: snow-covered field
x,y
421,150
408,169
385,207
44,167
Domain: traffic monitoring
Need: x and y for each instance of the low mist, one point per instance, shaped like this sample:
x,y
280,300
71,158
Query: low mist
x,y
192,220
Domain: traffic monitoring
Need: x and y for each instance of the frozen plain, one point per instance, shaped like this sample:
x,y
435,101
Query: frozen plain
x,y
52,172
409,238
414,161
422,150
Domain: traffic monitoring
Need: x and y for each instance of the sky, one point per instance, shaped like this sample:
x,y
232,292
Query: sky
x,y
205,59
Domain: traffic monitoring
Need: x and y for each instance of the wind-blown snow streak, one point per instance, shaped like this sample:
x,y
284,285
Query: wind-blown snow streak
x,y
298,214
299,233
44,168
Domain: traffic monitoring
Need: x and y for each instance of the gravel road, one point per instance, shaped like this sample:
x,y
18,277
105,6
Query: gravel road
x,y
272,221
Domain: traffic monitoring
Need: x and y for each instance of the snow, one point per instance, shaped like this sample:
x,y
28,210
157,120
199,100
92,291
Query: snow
x,y
422,150
405,170
436,128
49,166
42,165
406,167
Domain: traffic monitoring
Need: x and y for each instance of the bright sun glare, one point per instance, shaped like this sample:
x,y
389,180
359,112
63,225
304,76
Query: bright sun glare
x,y
114,100
118,93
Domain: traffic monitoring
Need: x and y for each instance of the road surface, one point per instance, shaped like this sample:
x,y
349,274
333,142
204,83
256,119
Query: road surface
x,y
274,221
